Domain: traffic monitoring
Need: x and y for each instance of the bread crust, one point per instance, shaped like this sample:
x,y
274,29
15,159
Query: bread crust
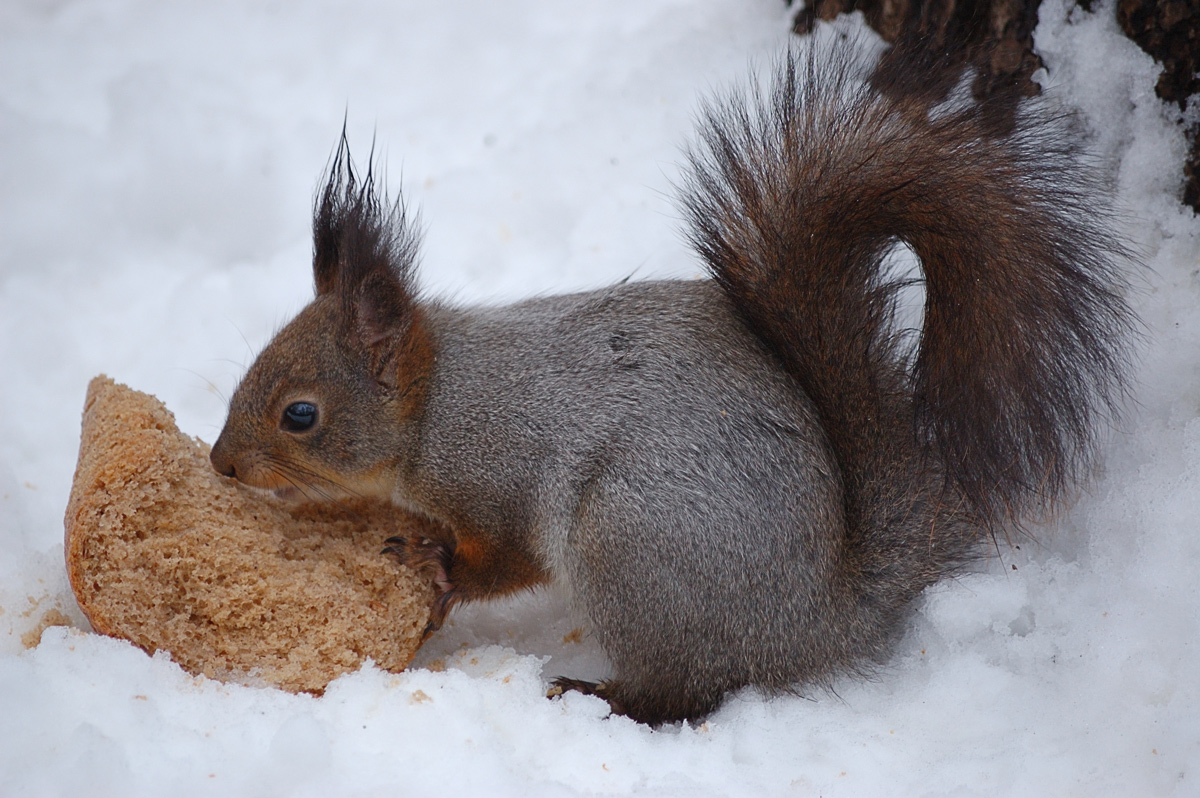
x,y
232,582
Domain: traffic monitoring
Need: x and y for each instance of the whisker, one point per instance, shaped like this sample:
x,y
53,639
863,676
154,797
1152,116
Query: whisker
x,y
299,484
313,485
317,477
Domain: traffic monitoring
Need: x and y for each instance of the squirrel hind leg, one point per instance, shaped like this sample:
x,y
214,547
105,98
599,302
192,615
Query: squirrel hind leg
x,y
642,705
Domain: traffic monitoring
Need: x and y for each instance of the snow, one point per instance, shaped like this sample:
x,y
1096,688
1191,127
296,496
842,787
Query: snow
x,y
157,164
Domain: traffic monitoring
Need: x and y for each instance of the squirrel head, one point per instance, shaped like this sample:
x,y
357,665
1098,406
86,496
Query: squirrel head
x,y
329,407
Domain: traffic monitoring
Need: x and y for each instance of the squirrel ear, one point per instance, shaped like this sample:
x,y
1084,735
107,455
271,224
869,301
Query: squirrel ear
x,y
364,248
384,317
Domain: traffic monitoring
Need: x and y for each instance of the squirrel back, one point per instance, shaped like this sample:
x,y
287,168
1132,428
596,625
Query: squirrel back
x,y
741,481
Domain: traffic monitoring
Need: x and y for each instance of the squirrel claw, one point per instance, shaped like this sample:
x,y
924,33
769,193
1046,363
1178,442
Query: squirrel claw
x,y
430,628
441,608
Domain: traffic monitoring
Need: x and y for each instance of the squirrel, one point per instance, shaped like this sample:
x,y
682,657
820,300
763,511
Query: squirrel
x,y
744,480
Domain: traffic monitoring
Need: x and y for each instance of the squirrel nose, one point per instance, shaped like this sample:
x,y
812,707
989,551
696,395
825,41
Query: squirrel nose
x,y
221,462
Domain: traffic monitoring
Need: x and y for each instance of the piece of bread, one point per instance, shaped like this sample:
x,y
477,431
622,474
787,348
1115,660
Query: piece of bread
x,y
233,582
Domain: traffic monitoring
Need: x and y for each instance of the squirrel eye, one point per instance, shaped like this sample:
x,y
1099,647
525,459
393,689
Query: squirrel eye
x,y
299,416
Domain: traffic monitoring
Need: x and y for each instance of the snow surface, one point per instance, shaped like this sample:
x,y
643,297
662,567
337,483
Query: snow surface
x,y
157,163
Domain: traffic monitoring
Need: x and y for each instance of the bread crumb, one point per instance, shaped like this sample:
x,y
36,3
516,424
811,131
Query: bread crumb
x,y
51,617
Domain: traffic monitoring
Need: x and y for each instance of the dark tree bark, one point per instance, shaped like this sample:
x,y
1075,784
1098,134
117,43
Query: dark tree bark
x,y
997,36
1169,30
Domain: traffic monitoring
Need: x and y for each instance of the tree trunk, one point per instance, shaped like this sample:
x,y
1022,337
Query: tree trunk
x,y
1169,30
997,36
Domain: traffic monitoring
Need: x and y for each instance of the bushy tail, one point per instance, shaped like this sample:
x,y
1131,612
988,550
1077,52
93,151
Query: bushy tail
x,y
796,195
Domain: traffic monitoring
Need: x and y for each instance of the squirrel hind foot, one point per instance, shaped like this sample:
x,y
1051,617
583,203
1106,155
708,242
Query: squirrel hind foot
x,y
562,685
643,706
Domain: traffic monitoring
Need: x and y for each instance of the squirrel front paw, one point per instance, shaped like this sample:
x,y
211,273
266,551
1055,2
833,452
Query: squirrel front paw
x,y
421,554
427,554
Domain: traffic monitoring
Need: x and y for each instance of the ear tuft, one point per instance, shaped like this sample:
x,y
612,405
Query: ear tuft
x,y
364,252
357,233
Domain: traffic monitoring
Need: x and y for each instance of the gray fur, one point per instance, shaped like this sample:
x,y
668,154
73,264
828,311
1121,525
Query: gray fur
x,y
671,473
